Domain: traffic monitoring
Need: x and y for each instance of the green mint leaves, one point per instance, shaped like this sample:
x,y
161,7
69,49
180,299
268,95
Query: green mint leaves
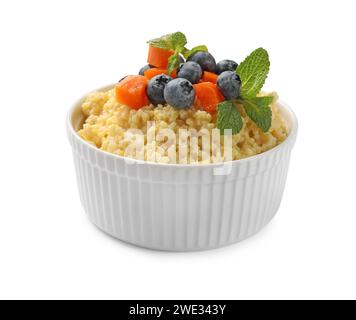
x,y
259,111
229,117
253,73
175,41
173,63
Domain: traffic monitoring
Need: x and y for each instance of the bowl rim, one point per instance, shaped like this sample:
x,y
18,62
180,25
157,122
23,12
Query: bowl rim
x,y
290,139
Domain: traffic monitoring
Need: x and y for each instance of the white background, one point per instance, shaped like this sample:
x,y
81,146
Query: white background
x,y
52,52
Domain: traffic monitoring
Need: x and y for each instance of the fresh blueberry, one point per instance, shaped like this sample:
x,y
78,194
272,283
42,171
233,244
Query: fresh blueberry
x,y
143,69
179,93
226,65
229,84
155,88
191,71
205,59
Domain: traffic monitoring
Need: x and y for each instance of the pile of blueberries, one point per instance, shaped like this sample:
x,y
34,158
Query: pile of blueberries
x,y
180,92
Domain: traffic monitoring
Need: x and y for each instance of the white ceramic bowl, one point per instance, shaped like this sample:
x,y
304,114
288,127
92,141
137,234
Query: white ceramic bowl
x,y
179,207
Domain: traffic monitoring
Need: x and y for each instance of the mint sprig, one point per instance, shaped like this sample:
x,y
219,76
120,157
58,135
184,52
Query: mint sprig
x,y
253,73
175,41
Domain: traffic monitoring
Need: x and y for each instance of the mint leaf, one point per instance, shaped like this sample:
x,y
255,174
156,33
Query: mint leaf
x,y
263,101
178,41
161,42
258,110
187,53
229,117
175,41
173,63
253,72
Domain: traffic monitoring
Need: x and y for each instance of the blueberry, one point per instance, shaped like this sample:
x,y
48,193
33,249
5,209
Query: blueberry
x,y
229,84
190,71
155,88
205,59
179,93
226,65
143,69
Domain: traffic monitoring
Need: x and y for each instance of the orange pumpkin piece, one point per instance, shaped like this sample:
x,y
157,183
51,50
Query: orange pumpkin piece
x,y
150,73
131,91
207,96
209,77
158,57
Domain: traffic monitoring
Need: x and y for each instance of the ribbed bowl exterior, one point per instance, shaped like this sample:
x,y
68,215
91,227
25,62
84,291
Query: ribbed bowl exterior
x,y
179,207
